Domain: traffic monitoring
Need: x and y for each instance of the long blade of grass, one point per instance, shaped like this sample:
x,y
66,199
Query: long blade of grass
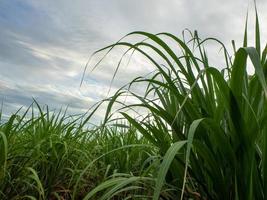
x,y
165,165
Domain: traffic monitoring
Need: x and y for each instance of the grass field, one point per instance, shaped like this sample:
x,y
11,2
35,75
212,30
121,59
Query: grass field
x,y
202,133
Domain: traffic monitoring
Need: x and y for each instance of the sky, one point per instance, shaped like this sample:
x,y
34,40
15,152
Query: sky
x,y
44,45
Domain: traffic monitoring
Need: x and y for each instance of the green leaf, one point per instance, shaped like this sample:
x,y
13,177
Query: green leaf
x,y
164,167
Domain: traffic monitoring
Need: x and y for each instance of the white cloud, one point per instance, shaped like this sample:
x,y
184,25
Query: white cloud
x,y
45,44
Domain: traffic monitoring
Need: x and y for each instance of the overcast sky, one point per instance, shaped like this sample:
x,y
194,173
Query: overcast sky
x,y
44,45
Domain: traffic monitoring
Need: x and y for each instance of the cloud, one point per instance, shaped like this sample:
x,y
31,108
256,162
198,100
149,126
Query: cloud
x,y
44,94
45,44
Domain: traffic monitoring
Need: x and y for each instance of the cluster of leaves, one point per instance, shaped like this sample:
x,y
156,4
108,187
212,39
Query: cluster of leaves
x,y
208,124
54,156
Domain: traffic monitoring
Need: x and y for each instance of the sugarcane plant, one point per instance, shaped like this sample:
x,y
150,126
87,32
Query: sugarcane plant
x,y
208,124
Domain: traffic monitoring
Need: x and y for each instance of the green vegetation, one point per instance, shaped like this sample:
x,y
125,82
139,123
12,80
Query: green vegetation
x,y
51,156
202,133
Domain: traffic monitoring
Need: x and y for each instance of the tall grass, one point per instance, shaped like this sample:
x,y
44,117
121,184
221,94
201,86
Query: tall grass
x,y
53,156
208,124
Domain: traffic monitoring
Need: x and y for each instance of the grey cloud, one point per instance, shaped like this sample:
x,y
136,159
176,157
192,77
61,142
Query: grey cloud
x,y
23,95
48,42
